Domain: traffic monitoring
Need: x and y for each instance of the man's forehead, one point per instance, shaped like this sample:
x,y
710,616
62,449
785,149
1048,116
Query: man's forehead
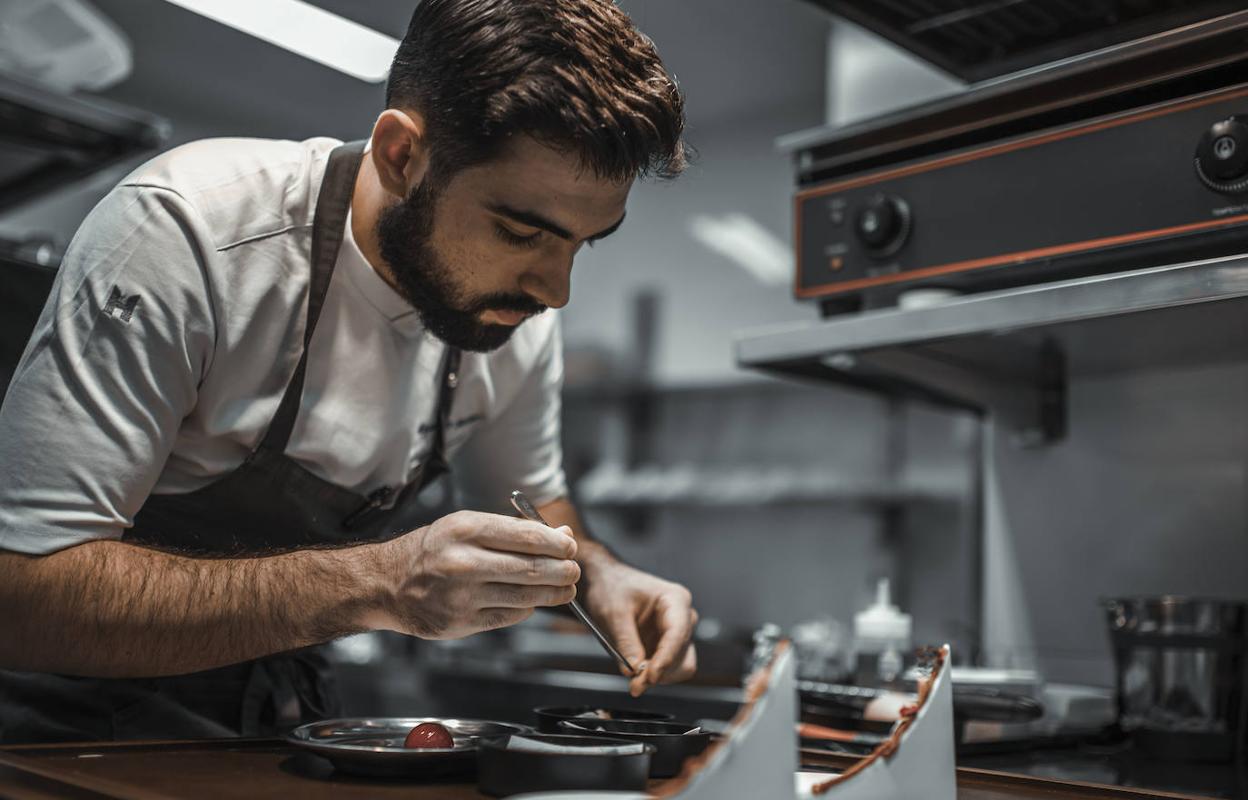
x,y
531,175
528,153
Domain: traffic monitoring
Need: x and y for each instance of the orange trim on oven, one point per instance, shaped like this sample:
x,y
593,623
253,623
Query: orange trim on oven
x,y
1022,255
1021,144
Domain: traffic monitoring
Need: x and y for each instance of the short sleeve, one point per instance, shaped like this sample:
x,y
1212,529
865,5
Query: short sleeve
x,y
520,447
110,371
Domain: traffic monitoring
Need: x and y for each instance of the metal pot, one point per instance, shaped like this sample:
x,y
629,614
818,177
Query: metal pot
x,y
1180,669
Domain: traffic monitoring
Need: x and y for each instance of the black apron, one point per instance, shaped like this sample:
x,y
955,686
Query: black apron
x,y
269,504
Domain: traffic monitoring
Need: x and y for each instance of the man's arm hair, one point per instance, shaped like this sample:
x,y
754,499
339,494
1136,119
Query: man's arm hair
x,y
110,609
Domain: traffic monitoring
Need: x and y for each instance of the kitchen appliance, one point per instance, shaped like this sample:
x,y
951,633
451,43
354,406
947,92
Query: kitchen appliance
x,y
49,139
1132,156
1181,678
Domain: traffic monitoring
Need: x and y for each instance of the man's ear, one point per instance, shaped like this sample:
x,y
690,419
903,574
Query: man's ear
x,y
400,151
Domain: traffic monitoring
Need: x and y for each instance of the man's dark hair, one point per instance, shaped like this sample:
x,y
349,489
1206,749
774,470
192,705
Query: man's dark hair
x,y
573,74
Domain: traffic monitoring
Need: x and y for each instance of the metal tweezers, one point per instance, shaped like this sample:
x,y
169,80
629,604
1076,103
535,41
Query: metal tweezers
x,y
526,509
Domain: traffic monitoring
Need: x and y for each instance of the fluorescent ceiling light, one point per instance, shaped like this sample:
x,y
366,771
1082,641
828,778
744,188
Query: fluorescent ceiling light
x,y
307,30
742,240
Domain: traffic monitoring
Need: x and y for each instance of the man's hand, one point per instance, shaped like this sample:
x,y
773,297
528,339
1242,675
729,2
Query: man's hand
x,y
651,620
470,572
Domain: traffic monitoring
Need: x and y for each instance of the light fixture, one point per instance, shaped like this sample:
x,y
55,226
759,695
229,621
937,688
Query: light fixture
x,y
746,243
302,28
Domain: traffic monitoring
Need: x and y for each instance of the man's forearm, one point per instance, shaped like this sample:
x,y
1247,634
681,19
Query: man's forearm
x,y
109,609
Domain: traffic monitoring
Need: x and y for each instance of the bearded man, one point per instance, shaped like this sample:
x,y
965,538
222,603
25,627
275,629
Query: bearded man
x,y
258,353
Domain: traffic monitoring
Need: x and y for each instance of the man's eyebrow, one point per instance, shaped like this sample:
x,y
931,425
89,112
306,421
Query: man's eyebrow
x,y
534,220
605,232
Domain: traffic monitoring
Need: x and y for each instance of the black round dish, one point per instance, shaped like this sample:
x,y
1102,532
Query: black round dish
x,y
549,717
672,740
502,772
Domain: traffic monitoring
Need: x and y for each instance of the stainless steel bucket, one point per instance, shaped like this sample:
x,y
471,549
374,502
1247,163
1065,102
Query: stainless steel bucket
x,y
1180,666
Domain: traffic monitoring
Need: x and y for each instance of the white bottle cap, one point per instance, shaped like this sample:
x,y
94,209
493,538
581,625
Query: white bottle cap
x,y
883,621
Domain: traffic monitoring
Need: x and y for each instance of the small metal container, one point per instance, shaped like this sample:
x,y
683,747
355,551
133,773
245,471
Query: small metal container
x,y
1180,665
673,741
502,771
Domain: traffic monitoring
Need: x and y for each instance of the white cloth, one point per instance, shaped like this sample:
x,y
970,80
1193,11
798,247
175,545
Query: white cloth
x,y
112,402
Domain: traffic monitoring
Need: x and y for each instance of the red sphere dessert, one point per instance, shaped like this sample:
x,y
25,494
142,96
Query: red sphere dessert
x,y
427,735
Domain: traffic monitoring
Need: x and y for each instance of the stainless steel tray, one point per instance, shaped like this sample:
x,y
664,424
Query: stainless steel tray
x,y
374,746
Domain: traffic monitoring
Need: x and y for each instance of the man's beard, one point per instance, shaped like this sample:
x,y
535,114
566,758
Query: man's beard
x,y
403,233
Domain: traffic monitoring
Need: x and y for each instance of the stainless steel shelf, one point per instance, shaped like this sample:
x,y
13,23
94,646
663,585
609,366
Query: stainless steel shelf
x,y
1010,352
707,488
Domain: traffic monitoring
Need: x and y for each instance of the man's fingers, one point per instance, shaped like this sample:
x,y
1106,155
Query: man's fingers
x,y
509,595
677,623
637,685
627,640
685,666
512,535
528,570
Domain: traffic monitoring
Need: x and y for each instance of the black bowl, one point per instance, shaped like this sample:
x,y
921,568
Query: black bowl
x,y
502,772
549,717
672,740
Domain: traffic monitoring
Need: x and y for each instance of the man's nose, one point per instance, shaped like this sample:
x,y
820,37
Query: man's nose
x,y
550,283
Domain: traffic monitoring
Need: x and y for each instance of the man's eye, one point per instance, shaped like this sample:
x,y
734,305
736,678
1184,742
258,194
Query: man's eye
x,y
515,239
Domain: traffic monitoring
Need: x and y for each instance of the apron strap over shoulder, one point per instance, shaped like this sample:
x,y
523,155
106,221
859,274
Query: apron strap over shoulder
x,y
328,227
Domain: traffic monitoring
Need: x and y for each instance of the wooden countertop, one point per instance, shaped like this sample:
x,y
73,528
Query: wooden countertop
x,y
226,769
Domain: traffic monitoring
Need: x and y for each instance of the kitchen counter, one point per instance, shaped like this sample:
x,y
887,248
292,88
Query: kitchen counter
x,y
1120,766
225,769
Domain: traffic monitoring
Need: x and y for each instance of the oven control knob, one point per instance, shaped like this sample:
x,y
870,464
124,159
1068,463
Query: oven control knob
x,y
1222,156
883,224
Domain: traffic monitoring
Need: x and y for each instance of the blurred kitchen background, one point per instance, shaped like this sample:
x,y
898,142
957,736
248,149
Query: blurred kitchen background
x,y
776,501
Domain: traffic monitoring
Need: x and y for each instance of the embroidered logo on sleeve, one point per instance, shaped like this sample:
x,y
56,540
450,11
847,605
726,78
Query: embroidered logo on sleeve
x,y
125,306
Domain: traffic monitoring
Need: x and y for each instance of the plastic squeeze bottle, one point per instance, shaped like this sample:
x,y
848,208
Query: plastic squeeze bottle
x,y
881,635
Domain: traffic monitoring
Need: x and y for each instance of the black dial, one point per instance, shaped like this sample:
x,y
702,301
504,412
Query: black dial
x,y
883,224
1222,156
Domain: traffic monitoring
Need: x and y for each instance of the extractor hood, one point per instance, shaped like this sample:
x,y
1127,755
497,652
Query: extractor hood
x,y
979,39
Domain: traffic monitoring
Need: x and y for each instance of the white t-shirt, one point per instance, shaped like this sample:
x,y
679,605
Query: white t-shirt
x,y
113,401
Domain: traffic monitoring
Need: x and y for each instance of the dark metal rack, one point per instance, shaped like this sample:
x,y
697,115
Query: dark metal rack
x,y
48,139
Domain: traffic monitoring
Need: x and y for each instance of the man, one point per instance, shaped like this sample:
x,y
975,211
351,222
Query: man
x,y
256,355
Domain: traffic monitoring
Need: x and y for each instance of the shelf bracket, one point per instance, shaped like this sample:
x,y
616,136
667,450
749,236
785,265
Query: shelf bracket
x,y
1029,397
